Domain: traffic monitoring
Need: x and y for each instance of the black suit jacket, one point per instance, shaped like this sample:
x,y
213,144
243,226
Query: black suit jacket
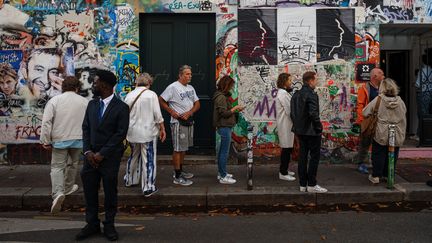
x,y
106,136
305,112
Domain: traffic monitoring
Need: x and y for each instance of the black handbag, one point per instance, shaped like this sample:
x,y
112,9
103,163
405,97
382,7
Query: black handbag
x,y
187,123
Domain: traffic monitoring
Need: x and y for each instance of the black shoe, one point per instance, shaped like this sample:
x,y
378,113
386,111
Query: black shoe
x,y
429,183
110,232
150,192
87,231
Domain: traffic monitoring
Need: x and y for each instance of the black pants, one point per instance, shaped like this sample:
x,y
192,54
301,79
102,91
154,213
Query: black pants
x,y
307,171
285,159
380,159
91,177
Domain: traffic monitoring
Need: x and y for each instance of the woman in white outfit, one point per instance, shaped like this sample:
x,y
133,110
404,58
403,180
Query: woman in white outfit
x,y
284,125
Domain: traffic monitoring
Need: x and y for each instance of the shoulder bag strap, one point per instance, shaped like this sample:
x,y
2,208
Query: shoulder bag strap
x,y
375,111
137,99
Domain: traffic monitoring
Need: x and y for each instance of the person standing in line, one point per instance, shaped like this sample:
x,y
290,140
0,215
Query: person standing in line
x,y
224,119
61,132
366,94
391,110
180,100
307,126
105,126
284,125
146,123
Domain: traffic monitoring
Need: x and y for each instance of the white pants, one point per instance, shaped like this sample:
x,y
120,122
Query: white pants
x,y
142,164
64,165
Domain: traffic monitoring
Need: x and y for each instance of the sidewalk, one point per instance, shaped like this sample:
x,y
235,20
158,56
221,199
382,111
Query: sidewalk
x,y
28,186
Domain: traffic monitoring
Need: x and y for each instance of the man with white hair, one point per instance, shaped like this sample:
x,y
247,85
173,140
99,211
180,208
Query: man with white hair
x,y
146,123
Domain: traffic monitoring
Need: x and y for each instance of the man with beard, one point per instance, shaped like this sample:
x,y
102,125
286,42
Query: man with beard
x,y
104,127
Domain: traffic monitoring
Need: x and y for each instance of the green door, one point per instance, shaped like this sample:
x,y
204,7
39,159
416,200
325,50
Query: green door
x,y
168,41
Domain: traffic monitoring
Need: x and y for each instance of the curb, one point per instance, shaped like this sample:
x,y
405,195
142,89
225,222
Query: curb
x,y
203,197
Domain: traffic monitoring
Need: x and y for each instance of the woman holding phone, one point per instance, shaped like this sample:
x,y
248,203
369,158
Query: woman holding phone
x,y
224,120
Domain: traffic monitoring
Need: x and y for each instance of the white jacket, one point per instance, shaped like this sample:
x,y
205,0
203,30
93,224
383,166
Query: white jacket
x,y
144,117
63,117
284,123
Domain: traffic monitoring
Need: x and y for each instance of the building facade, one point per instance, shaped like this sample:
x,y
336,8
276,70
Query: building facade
x,y
250,40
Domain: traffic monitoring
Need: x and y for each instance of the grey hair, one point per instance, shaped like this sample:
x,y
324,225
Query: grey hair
x,y
388,87
144,79
184,67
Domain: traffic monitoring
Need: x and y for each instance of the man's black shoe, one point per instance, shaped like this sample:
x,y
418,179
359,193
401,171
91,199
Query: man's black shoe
x,y
429,183
110,232
87,231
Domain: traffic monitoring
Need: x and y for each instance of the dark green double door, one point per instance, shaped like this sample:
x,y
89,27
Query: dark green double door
x,y
169,41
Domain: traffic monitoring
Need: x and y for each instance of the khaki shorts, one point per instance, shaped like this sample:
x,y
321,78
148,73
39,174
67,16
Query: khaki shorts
x,y
182,137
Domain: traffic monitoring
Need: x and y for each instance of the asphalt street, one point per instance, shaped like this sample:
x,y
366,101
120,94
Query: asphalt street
x,y
350,226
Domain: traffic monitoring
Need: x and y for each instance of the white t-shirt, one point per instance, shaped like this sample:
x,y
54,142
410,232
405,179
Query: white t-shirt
x,y
180,98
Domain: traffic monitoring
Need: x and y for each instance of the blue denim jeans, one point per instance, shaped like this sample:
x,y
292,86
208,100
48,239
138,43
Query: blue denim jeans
x,y
222,156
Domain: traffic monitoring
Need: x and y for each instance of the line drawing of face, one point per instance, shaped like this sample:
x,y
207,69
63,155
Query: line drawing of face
x,y
8,85
43,71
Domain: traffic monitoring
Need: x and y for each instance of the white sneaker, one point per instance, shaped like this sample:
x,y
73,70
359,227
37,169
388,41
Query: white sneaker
x,y
316,189
303,189
286,177
374,180
291,173
72,190
227,180
57,203
227,174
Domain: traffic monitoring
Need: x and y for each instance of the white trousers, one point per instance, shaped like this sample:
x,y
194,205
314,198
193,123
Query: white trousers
x,y
142,165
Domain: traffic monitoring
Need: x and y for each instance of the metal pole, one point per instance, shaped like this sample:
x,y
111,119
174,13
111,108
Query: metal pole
x,y
249,157
391,157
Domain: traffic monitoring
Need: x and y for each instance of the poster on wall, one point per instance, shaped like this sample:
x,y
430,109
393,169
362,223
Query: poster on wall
x,y
296,35
335,34
362,71
334,85
23,99
257,91
257,36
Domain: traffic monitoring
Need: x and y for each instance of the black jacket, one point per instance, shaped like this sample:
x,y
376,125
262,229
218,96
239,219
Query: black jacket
x,y
106,136
305,112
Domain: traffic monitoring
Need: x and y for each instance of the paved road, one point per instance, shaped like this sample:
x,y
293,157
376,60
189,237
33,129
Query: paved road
x,y
260,227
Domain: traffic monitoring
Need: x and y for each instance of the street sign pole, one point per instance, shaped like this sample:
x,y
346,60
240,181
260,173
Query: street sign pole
x,y
249,157
391,157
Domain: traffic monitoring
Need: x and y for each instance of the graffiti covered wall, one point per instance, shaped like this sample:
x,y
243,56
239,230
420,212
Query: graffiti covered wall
x,y
43,41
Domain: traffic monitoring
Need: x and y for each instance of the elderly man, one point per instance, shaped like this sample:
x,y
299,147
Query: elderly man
x,y
146,123
180,100
366,94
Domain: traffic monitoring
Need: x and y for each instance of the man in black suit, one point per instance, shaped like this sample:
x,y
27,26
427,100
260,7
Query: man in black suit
x,y
104,127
